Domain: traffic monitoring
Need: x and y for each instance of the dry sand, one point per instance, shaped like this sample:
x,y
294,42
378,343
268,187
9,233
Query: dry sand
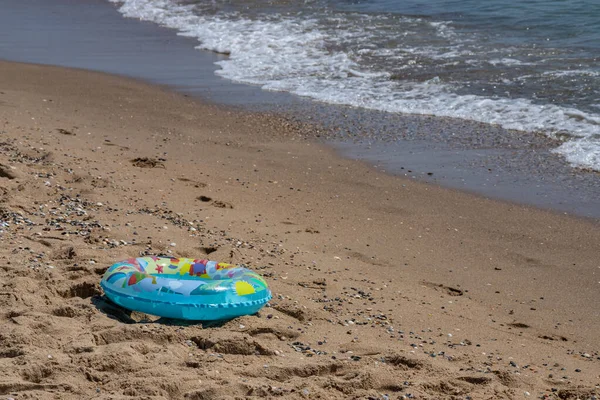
x,y
382,286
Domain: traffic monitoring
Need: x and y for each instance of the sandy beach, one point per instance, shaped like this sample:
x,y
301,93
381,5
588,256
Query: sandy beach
x,y
382,287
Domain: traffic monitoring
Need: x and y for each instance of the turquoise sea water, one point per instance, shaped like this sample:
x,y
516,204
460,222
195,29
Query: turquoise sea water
x,y
531,65
563,23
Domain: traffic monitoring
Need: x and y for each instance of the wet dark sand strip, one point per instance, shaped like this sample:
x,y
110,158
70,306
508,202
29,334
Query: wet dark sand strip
x,y
475,157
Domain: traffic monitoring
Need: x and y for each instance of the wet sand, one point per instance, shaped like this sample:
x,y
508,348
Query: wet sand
x,y
479,158
382,286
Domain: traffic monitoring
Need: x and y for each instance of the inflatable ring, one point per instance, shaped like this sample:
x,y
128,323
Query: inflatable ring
x,y
185,288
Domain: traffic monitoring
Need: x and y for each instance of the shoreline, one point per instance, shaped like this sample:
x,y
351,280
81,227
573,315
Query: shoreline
x,y
468,156
382,285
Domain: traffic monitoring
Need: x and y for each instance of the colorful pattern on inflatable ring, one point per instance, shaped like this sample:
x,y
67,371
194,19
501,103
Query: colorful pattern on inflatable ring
x,y
185,288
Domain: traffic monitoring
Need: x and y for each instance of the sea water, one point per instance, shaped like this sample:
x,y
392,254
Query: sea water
x,y
531,65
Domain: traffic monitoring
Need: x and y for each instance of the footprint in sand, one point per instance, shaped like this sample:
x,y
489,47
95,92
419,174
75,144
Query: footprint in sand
x,y
65,131
196,184
147,162
448,289
215,203
7,172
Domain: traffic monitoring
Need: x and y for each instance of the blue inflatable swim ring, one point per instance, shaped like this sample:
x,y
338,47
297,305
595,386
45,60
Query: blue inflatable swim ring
x,y
185,288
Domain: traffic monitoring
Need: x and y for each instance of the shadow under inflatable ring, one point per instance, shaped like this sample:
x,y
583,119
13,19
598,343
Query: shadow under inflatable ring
x,y
185,288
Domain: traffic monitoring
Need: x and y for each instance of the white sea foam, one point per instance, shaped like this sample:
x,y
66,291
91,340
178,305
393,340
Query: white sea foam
x,y
574,72
443,28
508,61
294,55
582,153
